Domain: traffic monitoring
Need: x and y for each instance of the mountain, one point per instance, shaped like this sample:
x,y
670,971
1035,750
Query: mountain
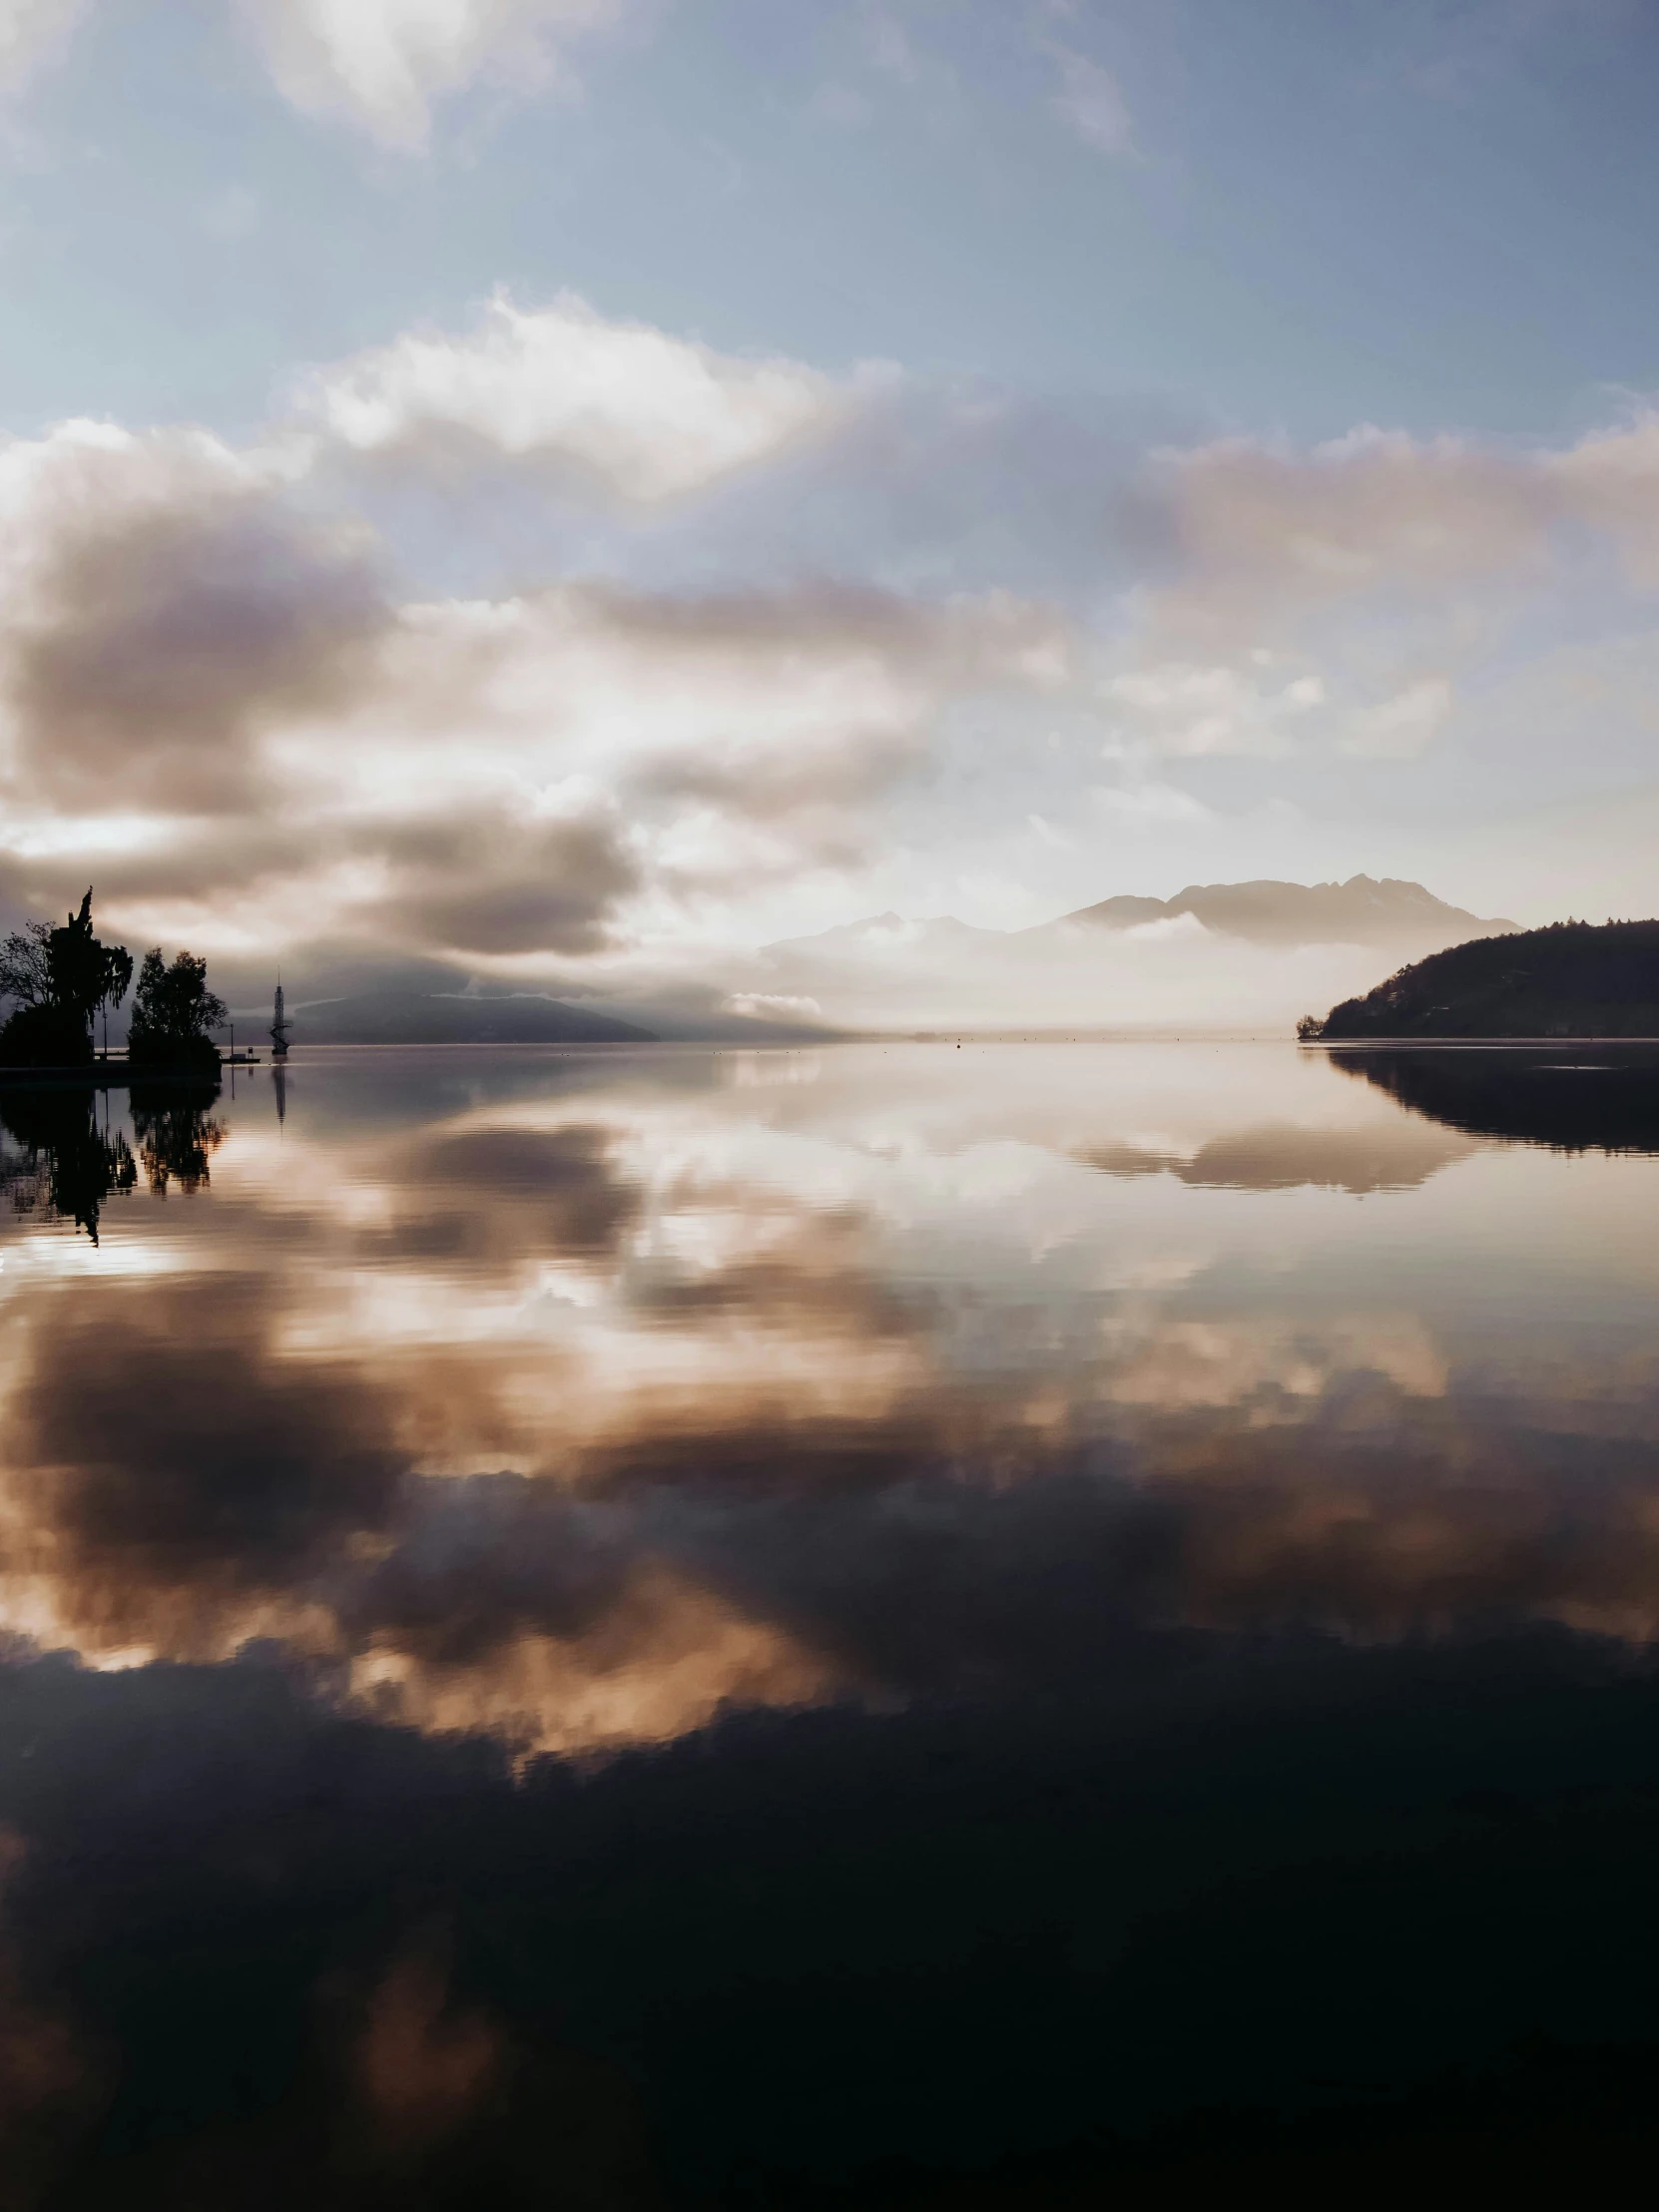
x,y
1573,979
419,1017
1360,911
1216,958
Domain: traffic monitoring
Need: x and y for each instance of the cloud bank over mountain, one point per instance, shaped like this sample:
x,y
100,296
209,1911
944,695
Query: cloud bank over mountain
x,y
1218,957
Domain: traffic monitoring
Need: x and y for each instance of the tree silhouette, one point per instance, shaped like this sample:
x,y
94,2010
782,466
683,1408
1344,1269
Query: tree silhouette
x,y
174,1014
118,980
65,1164
56,980
176,1137
26,965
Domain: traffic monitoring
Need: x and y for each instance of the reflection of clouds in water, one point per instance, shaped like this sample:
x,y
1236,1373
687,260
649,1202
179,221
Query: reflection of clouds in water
x,y
575,1418
664,1659
1266,1368
176,1489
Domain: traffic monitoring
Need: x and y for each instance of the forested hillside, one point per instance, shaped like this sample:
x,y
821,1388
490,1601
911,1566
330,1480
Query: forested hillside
x,y
1573,979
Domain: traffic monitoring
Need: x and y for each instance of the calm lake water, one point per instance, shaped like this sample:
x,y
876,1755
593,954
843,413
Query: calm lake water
x,y
861,1626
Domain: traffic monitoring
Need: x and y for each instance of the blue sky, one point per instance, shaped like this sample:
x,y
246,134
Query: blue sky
x,y
959,456
1431,216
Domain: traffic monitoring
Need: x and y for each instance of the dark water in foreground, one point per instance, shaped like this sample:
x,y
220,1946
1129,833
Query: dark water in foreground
x,y
1009,1626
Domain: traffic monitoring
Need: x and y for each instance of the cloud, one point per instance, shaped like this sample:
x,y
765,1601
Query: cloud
x,y
780,1005
1091,101
674,749
1149,806
380,65
622,407
1333,594
1189,710
702,700
32,34
189,634
1398,727
164,606
488,883
1268,530
383,65
1270,533
193,632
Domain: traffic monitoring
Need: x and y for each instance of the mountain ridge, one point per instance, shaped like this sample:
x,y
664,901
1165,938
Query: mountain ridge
x,y
1262,910
1271,910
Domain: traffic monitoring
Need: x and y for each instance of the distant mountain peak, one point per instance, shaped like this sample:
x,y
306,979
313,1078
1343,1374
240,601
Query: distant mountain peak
x,y
1267,910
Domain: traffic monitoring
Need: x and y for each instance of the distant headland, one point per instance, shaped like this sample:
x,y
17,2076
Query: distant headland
x,y
58,982
1573,979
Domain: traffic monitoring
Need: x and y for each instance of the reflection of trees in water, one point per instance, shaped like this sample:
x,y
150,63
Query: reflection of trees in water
x,y
1571,1096
56,1157
176,1137
64,1163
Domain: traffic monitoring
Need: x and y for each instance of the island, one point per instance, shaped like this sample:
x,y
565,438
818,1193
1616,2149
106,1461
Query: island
x,y
1572,979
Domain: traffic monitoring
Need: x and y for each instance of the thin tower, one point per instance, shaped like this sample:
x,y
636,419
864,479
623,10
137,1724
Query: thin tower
x,y
280,1029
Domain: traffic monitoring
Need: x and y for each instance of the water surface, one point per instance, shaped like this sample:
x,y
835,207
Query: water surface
x,y
769,1628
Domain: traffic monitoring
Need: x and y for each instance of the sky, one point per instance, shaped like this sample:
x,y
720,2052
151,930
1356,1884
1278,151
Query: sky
x,y
569,489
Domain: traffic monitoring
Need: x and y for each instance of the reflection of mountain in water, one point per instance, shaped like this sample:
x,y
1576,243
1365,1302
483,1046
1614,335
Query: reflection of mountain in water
x,y
1572,1098
55,1158
1285,1157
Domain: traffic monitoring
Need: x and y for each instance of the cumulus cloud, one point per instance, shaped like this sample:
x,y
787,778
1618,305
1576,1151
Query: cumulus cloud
x,y
639,412
384,64
198,631
222,701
